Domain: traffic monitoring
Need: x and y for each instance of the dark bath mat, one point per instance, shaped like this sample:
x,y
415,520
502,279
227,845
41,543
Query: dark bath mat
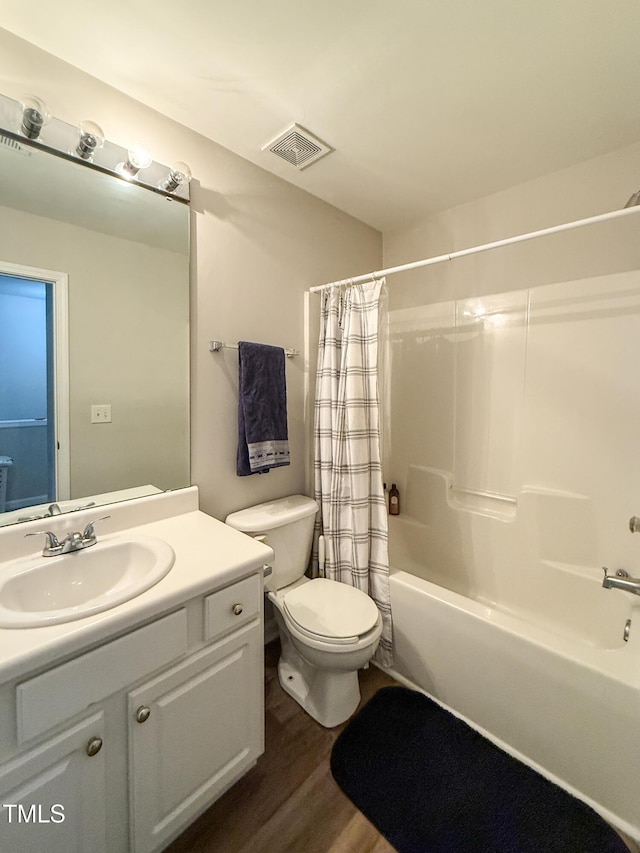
x,y
432,784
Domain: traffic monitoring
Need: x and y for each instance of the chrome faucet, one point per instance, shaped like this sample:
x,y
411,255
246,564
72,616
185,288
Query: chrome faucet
x,y
621,580
72,541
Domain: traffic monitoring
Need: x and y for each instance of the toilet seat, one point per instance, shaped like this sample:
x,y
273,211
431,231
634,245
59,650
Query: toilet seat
x,y
330,612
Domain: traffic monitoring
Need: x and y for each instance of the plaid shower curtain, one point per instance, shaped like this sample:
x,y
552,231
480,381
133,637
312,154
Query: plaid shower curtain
x,y
347,464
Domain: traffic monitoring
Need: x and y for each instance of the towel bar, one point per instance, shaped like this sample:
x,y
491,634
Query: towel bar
x,y
216,346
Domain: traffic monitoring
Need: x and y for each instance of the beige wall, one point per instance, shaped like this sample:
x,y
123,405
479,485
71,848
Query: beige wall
x,y
586,189
258,243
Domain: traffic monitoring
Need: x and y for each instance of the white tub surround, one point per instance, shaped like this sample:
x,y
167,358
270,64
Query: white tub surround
x,y
513,439
133,721
530,556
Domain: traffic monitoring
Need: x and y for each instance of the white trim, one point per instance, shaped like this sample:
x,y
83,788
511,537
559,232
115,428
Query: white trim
x,y
60,282
61,369
520,238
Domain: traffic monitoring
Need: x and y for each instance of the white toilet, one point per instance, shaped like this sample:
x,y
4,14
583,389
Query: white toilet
x,y
328,630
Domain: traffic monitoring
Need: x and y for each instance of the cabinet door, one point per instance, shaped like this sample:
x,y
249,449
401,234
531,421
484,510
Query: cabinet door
x,y
52,798
193,732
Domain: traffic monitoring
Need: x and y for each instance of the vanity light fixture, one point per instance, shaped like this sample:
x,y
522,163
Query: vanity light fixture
x,y
35,115
179,174
91,139
21,127
137,158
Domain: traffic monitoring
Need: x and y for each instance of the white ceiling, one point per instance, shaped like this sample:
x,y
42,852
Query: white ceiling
x,y
427,103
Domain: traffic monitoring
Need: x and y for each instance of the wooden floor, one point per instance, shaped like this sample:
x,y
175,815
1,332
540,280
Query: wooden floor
x,y
288,803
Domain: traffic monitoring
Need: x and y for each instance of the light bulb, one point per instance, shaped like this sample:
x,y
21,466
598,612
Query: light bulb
x,y
137,158
35,115
179,174
91,139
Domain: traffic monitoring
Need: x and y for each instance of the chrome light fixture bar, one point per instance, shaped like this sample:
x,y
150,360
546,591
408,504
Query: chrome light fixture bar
x,y
29,123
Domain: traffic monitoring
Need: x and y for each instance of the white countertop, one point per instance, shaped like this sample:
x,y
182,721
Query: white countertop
x,y
209,555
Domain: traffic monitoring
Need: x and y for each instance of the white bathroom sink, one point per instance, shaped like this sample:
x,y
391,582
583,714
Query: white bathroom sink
x,y
37,591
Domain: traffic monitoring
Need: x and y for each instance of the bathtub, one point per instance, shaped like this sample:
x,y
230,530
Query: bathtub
x,y
564,699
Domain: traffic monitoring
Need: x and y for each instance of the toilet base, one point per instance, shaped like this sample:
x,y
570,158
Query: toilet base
x,y
329,697
323,682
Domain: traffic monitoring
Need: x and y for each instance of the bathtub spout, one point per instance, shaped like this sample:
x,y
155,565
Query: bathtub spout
x,y
621,580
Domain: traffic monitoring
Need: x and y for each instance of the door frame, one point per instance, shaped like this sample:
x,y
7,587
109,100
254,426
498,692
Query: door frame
x,y
61,424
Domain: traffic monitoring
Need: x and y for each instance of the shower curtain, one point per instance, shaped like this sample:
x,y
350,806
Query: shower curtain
x,y
347,463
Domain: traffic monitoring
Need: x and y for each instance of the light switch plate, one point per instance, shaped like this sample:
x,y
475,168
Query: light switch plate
x,y
101,413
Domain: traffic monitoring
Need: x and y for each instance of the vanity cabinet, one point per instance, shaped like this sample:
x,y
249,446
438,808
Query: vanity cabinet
x,y
131,740
177,766
54,796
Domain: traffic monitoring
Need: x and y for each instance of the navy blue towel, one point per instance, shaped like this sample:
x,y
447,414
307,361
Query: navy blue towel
x,y
262,409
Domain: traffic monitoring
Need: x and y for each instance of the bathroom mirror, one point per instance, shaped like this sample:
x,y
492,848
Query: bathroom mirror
x,y
94,314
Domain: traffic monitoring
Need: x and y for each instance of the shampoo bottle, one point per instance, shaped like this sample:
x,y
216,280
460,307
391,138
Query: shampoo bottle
x,y
394,500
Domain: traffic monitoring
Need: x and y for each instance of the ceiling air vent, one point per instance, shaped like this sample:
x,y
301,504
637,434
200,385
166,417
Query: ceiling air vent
x,y
298,147
13,145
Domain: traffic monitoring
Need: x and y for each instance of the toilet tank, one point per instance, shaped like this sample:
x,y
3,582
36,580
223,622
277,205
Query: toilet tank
x,y
287,524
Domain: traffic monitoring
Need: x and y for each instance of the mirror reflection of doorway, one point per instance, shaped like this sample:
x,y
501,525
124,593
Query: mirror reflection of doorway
x,y
29,440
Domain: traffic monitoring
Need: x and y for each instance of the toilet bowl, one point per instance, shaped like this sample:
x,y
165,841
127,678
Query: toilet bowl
x,y
328,630
320,668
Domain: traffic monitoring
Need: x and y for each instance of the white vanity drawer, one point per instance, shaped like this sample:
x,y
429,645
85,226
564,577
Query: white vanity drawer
x,y
232,607
53,697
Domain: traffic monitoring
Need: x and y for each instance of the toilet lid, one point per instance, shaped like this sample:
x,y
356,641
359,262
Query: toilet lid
x,y
327,608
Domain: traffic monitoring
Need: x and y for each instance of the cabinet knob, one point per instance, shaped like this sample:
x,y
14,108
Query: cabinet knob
x,y
237,609
94,746
142,714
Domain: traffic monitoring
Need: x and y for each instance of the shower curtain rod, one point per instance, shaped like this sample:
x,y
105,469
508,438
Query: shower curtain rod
x,y
520,238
